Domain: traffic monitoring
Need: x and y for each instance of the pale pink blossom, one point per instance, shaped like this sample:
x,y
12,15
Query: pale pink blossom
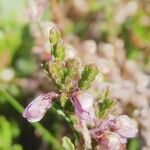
x,y
126,127
114,131
38,107
83,103
36,9
110,141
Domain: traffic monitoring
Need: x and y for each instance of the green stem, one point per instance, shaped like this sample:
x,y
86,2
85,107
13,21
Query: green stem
x,y
68,120
44,132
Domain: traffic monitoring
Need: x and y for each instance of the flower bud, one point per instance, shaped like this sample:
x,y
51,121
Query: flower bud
x,y
38,107
46,57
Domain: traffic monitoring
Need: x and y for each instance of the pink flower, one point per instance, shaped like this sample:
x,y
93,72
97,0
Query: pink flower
x,y
38,107
126,127
107,124
36,9
110,141
83,103
114,131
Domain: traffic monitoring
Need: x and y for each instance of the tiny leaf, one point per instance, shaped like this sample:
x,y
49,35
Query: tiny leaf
x,y
70,71
59,51
63,99
54,36
56,72
106,103
67,144
88,75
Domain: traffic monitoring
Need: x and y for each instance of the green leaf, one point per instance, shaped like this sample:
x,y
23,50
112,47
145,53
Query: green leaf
x,y
133,144
56,72
69,73
59,51
73,65
63,99
54,36
67,144
88,75
5,134
63,75
106,103
17,147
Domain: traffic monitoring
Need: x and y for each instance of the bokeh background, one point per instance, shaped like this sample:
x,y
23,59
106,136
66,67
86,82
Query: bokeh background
x,y
114,34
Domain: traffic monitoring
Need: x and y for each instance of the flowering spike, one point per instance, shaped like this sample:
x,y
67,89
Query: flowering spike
x,y
38,107
76,105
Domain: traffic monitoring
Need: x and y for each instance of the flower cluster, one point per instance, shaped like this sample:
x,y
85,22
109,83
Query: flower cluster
x,y
112,134
94,121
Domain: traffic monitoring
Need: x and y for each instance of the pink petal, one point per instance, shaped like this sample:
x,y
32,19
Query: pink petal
x,y
36,9
123,127
38,107
108,123
110,141
83,103
126,127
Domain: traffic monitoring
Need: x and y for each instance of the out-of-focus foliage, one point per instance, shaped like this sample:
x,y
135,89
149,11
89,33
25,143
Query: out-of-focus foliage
x,y
10,29
133,144
8,132
15,38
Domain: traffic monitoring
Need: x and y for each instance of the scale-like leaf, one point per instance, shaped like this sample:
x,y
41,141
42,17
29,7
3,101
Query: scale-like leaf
x,y
54,36
70,71
59,51
88,75
67,144
106,103
56,72
63,99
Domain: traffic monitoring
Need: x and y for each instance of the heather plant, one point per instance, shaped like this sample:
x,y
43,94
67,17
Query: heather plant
x,y
91,118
